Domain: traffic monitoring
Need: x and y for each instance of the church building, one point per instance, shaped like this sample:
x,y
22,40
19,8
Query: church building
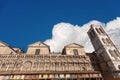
x,y
73,63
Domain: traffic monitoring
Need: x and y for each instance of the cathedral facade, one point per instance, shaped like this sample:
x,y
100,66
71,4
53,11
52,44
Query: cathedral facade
x,y
73,63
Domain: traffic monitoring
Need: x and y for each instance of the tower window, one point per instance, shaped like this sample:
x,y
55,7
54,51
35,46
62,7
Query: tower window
x,y
117,54
101,30
92,31
75,51
98,30
104,41
108,41
37,52
112,53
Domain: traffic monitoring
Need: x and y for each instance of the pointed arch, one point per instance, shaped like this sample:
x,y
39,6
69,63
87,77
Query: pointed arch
x,y
98,31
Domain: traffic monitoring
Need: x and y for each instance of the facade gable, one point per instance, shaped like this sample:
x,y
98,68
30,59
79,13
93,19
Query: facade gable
x,y
74,45
38,44
73,49
38,48
3,44
6,49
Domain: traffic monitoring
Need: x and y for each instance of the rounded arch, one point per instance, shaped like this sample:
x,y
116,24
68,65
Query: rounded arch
x,y
19,63
27,65
36,62
104,41
4,65
112,53
102,31
6,62
47,60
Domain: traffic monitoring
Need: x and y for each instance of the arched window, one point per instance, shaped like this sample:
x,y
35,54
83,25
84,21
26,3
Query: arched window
x,y
104,41
27,65
116,52
108,41
5,64
18,65
98,30
101,30
111,53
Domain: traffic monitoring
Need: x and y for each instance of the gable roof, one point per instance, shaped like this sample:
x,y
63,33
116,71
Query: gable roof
x,y
38,44
6,45
74,45
3,43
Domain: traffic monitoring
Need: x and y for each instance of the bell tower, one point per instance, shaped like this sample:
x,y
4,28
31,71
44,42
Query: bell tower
x,y
106,51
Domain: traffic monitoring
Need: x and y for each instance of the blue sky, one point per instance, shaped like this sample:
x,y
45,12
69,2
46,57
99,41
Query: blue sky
x,y
23,22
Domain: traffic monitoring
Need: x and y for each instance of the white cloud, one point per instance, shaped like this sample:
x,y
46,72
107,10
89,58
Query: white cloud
x,y
65,33
113,29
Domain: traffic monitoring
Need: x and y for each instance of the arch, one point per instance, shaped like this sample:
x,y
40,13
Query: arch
x,y
47,64
5,64
98,31
27,66
108,41
104,41
101,30
112,53
35,65
41,65
36,62
117,53
27,63
11,65
18,64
